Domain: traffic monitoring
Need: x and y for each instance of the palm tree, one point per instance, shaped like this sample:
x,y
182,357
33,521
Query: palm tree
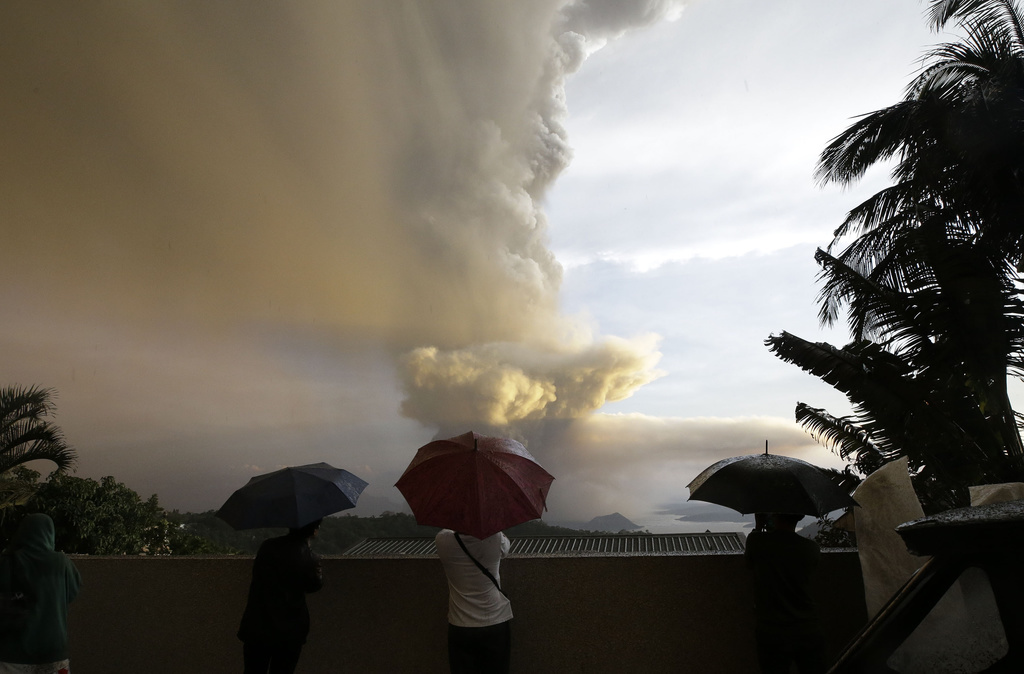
x,y
901,410
928,282
957,136
958,196
942,302
25,433
926,372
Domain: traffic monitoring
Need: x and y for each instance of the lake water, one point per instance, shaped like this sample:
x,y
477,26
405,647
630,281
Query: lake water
x,y
670,523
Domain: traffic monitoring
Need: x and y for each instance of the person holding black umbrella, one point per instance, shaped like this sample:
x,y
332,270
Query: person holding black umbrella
x,y
779,490
786,626
276,619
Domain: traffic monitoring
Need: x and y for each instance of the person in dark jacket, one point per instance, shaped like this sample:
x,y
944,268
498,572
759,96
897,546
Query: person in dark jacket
x,y
276,620
787,628
50,581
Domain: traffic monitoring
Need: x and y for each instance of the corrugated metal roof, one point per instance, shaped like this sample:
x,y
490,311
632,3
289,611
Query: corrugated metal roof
x,y
544,546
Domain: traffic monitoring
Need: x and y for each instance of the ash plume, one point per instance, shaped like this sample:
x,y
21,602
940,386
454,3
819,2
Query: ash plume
x,y
234,219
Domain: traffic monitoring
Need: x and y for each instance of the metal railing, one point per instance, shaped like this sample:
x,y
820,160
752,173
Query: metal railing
x,y
545,546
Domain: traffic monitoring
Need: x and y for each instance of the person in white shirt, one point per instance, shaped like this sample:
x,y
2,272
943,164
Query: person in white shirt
x,y
479,613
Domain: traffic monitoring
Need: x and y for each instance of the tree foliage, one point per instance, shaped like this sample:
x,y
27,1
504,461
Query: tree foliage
x,y
17,486
26,434
828,535
104,518
928,282
101,518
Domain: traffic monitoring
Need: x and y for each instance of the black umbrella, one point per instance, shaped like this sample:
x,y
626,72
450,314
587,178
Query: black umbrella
x,y
766,483
292,497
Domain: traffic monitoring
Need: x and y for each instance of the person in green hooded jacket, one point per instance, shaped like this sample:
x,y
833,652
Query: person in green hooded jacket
x,y
50,580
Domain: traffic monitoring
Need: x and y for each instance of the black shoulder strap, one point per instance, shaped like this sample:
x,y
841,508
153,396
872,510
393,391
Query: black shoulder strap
x,y
479,565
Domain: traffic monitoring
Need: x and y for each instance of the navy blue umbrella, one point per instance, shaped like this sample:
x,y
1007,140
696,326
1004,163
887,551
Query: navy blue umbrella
x,y
292,497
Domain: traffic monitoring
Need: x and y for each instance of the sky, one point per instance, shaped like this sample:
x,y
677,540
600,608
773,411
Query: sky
x,y
242,236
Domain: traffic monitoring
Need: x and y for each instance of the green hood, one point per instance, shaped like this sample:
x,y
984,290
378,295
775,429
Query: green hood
x,y
31,565
34,533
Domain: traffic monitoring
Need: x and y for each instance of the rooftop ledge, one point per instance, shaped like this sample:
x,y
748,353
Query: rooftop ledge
x,y
629,545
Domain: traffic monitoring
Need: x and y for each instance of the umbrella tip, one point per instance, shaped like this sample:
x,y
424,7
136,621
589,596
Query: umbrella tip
x,y
766,447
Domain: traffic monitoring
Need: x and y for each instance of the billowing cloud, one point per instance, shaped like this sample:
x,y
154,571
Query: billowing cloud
x,y
601,20
503,384
233,230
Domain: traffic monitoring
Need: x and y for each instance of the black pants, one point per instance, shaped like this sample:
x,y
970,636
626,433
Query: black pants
x,y
480,650
263,658
775,653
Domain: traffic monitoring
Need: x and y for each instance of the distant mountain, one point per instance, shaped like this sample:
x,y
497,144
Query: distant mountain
x,y
372,506
613,523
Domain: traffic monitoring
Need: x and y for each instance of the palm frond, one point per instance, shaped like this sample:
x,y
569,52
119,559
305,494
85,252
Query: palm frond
x,y
865,372
1001,13
21,402
26,434
875,310
880,211
874,137
843,436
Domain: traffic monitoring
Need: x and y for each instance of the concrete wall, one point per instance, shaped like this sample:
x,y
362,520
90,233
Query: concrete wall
x,y
593,614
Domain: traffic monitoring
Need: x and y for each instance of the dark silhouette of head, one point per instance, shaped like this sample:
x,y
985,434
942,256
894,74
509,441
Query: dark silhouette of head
x,y
786,521
307,531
